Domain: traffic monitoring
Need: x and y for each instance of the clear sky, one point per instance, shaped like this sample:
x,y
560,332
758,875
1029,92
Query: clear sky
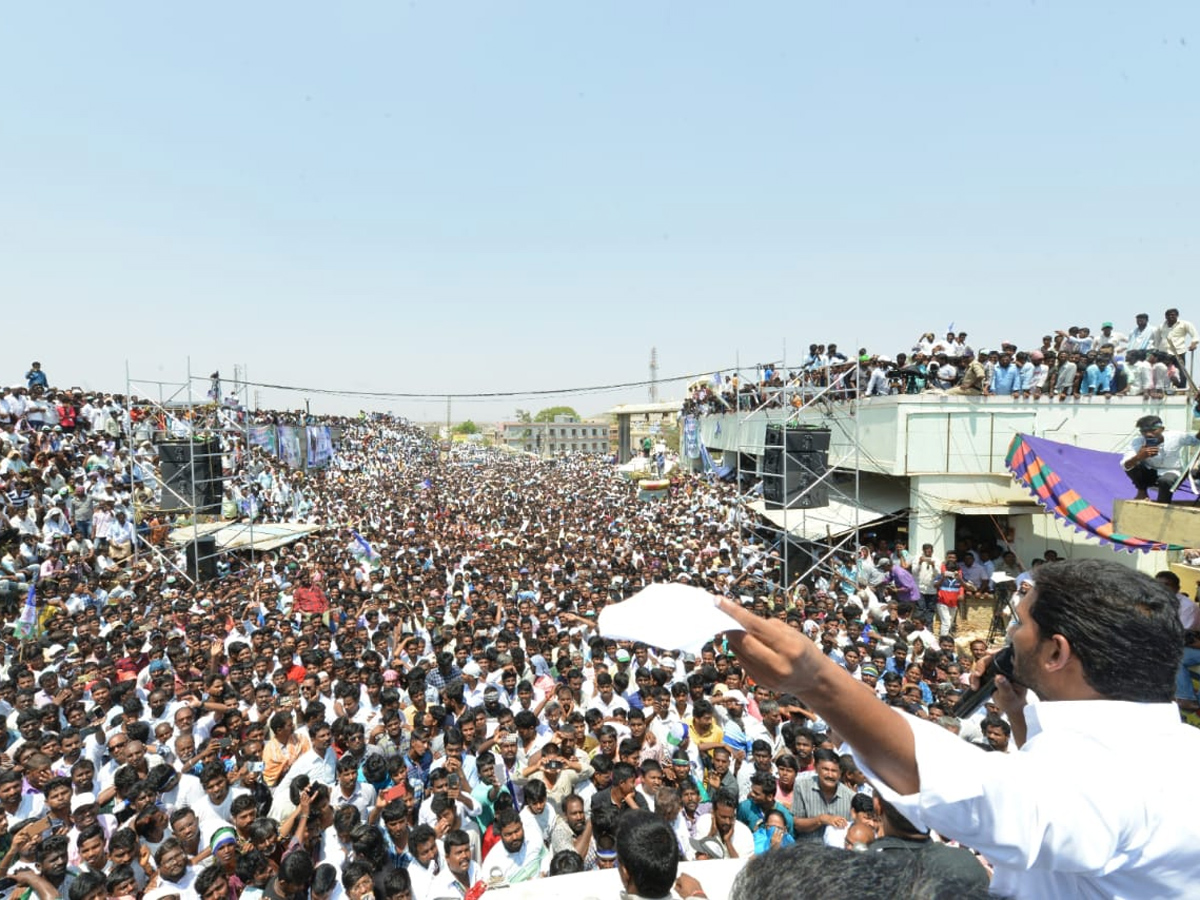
x,y
504,196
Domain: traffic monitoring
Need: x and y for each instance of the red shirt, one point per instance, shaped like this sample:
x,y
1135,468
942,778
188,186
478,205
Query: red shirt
x,y
309,600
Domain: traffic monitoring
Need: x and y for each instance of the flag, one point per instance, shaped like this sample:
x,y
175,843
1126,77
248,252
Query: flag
x,y
362,542
427,483
27,623
716,379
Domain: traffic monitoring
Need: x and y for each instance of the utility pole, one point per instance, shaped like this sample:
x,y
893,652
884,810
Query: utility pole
x,y
653,374
447,417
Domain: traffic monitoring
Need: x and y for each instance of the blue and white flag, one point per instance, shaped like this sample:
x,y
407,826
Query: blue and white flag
x,y
366,546
27,624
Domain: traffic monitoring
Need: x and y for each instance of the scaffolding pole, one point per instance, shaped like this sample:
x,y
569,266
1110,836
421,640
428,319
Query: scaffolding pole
x,y
752,524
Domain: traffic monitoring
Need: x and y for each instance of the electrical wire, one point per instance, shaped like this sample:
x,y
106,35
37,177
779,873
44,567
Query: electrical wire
x,y
487,395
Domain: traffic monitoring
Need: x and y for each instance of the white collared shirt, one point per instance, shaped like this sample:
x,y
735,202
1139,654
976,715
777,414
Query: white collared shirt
x,y
1064,817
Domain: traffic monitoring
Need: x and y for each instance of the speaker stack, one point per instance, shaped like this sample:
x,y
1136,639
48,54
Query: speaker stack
x,y
795,460
202,558
190,473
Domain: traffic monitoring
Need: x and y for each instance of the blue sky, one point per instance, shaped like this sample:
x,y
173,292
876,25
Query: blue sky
x,y
469,197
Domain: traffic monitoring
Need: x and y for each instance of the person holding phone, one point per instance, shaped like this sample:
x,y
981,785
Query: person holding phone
x,y
1157,458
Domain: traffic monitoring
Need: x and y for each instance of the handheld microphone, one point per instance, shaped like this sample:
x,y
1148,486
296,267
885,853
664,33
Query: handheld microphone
x,y
1001,663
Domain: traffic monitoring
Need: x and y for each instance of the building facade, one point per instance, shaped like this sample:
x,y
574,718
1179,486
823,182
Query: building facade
x,y
566,434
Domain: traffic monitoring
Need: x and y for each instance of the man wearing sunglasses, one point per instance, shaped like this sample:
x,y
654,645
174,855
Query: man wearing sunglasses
x,y
1157,458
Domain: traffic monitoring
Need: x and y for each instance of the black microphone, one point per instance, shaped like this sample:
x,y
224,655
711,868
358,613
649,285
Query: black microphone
x,y
1001,663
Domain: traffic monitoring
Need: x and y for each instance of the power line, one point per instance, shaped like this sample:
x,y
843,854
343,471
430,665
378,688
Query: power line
x,y
489,395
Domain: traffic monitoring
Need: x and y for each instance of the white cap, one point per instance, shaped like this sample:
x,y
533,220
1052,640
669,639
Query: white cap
x,y
87,798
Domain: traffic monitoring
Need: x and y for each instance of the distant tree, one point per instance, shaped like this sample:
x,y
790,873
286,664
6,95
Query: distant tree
x,y
467,427
524,415
548,414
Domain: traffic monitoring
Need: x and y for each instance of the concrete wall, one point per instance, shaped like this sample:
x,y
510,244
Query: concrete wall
x,y
952,451
938,433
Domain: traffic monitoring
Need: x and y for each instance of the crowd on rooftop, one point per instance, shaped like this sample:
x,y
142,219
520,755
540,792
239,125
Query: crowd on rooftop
x,y
415,697
1149,361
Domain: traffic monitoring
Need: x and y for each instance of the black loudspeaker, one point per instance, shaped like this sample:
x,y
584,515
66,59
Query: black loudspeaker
x,y
202,558
794,480
191,475
799,438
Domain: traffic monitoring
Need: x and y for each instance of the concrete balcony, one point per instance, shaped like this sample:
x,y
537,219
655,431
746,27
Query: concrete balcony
x,y
946,454
931,434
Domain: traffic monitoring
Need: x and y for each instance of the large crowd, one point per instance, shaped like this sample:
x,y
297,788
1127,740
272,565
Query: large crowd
x,y
1149,361
415,698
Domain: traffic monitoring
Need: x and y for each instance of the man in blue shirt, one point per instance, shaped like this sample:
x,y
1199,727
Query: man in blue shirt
x,y
35,377
761,801
1006,379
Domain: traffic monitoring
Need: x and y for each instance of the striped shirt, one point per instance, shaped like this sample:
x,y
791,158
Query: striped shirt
x,y
808,802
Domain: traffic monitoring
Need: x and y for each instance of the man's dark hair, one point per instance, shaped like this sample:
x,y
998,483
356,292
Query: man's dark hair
x,y
213,771
250,864
369,845
506,817
623,772
93,830
1123,626
118,875
396,882
805,870
86,883
207,878
241,803
766,781
419,836
994,721
353,872
324,879
396,810
724,797
345,819
456,837
604,820
1169,577
649,852
535,791
296,868
823,754
171,843
261,829
123,839
565,862
862,803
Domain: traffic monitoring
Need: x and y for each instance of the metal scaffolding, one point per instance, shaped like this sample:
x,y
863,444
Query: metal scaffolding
x,y
178,417
754,416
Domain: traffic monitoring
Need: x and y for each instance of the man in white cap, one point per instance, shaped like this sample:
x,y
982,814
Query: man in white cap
x,y
472,676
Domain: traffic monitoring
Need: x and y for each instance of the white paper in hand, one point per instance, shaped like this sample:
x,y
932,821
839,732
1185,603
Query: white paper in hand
x,y
672,616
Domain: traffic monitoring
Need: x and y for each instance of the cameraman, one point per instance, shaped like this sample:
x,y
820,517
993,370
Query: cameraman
x,y
1156,458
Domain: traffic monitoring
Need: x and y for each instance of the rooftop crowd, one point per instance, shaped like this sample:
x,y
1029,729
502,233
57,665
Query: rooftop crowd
x,y
1149,361
416,698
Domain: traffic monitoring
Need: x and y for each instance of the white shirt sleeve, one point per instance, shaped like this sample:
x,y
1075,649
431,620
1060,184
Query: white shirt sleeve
x,y
1017,809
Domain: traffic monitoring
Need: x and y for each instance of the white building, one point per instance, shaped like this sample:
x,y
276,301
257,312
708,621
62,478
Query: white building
x,y
942,458
566,434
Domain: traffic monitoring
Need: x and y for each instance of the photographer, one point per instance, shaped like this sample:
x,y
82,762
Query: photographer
x,y
1156,458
